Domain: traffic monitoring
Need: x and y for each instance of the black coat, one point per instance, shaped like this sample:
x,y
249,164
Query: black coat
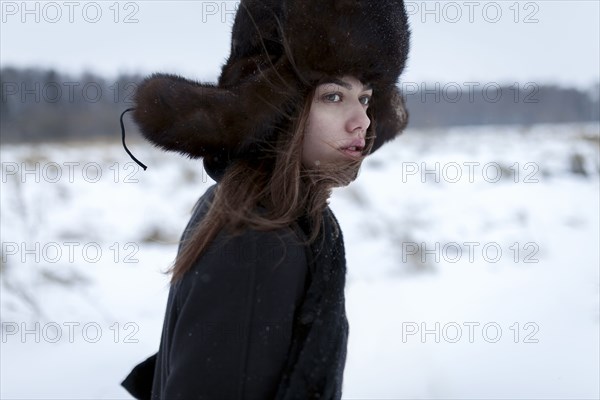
x,y
259,316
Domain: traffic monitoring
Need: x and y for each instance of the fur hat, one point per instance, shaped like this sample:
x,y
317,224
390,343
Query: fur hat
x,y
280,49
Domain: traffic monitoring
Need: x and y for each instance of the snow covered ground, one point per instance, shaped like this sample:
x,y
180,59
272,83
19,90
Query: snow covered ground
x,y
473,264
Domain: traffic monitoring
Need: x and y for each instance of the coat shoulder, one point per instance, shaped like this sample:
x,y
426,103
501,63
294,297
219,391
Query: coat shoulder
x,y
275,257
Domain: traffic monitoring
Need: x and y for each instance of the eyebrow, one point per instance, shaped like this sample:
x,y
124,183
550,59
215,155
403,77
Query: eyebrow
x,y
366,86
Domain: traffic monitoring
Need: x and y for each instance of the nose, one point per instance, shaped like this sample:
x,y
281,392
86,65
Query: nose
x,y
358,120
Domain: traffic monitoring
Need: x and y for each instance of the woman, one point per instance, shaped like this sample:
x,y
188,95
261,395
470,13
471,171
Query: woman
x,y
256,306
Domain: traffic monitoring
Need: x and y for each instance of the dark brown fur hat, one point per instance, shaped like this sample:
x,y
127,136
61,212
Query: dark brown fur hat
x,y
280,49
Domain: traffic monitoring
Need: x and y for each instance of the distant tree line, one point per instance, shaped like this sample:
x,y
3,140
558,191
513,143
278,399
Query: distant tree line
x,y
452,104
41,104
48,105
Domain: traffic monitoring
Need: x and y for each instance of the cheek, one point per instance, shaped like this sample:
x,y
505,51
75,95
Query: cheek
x,y
320,125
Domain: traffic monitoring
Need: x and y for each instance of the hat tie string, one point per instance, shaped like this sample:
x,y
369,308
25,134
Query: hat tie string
x,y
123,139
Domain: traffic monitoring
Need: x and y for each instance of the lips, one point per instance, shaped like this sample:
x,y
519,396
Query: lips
x,y
354,148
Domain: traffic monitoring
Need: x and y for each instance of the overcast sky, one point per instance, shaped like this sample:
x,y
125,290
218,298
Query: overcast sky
x,y
470,41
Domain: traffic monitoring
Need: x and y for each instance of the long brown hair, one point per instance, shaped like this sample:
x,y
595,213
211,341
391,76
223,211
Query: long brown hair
x,y
278,183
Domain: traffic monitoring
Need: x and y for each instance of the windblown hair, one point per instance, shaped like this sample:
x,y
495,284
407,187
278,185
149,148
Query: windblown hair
x,y
270,192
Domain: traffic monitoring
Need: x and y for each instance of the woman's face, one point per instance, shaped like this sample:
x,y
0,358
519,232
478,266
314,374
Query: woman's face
x,y
337,122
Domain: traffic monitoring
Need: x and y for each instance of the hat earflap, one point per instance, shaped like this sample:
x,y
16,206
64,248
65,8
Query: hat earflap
x,y
199,119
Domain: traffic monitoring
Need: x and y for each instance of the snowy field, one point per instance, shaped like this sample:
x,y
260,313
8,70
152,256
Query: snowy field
x,y
473,264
